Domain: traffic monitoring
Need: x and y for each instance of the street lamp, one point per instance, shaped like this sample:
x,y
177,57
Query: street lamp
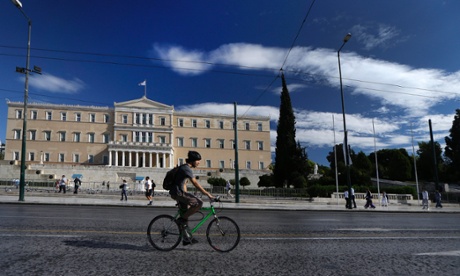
x,y
345,134
18,4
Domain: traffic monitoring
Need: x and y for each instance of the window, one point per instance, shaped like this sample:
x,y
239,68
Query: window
x,y
16,155
76,158
260,145
144,118
76,137
180,122
162,121
124,119
33,115
17,134
246,126
144,136
90,158
150,119
207,143
105,138
248,164
208,163
247,145
91,137
46,157
137,136
106,118
181,161
92,117
194,123
233,124
31,156
207,123
162,139
61,157
47,135
48,115
124,138
63,116
259,126
194,142
33,134
261,166
137,118
180,141
221,124
62,136
221,143
233,144
221,164
149,137
18,114
77,117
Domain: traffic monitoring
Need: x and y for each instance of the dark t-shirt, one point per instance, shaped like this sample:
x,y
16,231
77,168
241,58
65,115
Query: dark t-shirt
x,y
185,172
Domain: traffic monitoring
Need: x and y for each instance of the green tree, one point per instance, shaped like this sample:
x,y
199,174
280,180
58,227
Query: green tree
x,y
244,181
265,180
394,164
285,140
217,181
425,163
452,149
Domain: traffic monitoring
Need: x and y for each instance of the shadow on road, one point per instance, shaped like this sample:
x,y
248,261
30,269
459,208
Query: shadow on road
x,y
107,245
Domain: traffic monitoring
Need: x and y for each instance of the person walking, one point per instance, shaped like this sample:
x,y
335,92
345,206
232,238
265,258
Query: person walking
x,y
345,195
425,199
124,188
108,185
228,188
385,200
188,201
148,190
353,197
77,184
438,199
62,184
369,200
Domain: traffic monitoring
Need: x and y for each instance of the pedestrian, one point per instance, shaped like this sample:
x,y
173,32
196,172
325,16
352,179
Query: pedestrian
x,y
108,185
353,197
188,201
385,200
62,184
124,188
369,200
345,195
438,199
148,190
425,199
77,184
228,188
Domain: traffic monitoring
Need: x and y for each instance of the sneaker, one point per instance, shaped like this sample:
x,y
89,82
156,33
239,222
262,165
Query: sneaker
x,y
189,241
150,203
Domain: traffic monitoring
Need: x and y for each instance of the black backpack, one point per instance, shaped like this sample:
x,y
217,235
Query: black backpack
x,y
169,180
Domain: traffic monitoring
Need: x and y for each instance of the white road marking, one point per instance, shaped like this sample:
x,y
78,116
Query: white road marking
x,y
444,253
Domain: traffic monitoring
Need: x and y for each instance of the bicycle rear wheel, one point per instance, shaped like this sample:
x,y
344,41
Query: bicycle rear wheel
x,y
223,234
163,233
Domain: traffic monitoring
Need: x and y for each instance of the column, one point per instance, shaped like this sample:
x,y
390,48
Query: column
x,y
158,160
150,159
143,159
123,158
110,158
137,159
130,159
116,158
163,163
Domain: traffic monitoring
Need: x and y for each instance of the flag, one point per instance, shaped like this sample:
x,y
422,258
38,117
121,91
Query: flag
x,y
144,83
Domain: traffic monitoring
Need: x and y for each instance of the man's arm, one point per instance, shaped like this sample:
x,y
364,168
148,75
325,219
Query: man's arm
x,y
201,189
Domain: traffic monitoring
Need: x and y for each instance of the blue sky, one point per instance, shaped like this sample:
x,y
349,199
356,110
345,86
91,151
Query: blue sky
x,y
400,68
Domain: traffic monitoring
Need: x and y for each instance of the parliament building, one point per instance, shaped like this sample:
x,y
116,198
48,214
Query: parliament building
x,y
136,133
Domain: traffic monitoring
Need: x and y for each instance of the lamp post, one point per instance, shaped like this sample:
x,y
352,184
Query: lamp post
x,y
26,71
345,134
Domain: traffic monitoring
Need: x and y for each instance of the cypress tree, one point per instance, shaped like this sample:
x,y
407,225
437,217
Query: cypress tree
x,y
285,140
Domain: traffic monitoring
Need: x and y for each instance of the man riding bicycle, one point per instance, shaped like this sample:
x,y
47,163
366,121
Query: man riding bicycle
x,y
187,200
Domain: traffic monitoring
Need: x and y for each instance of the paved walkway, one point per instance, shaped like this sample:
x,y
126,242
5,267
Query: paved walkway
x,y
246,202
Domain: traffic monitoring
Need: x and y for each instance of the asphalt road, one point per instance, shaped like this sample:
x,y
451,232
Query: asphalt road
x,y
96,240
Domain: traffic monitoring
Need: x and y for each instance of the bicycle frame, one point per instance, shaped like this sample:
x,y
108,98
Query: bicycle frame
x,y
211,212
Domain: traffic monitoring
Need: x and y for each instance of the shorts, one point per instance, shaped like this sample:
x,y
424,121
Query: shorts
x,y
149,192
187,199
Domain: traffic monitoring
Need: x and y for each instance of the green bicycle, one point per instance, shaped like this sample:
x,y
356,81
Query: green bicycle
x,y
223,234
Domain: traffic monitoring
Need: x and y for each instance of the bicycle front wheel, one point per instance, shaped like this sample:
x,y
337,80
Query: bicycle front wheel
x,y
163,233
223,234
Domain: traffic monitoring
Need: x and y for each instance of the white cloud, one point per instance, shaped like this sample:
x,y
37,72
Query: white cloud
x,y
383,36
55,84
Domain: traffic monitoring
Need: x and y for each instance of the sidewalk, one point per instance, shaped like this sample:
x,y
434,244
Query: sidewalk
x,y
246,202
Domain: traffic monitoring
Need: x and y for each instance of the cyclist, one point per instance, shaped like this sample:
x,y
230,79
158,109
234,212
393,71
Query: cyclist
x,y
187,200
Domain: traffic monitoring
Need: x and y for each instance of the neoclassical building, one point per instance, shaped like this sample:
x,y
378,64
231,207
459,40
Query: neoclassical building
x,y
136,133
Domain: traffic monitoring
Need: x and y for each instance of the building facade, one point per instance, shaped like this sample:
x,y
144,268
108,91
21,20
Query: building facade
x,y
137,133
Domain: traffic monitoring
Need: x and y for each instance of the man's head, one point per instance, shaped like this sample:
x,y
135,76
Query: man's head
x,y
193,158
